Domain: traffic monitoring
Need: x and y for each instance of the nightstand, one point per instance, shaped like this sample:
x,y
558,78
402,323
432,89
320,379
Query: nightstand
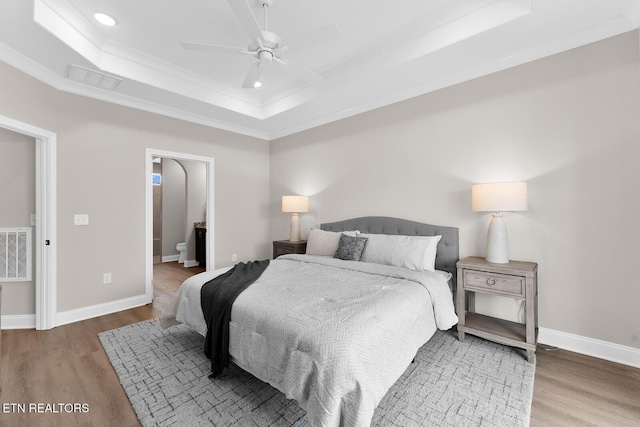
x,y
516,279
285,247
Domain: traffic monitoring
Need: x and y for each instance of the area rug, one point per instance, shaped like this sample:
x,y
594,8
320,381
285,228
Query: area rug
x,y
164,373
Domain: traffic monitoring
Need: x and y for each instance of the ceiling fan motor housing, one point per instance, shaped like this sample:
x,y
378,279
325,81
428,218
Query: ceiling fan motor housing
x,y
265,54
264,49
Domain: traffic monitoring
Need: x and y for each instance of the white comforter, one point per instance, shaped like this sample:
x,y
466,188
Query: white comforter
x,y
333,335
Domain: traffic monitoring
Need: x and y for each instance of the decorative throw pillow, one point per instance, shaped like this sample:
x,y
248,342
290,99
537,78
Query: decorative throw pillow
x,y
322,242
350,248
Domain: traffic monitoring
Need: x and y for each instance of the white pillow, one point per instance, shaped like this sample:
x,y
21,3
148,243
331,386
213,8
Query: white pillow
x,y
431,252
324,243
412,252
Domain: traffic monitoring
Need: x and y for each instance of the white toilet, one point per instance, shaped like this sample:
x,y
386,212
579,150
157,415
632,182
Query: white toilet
x,y
180,247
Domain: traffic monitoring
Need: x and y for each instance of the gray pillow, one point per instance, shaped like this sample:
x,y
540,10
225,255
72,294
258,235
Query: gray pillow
x,y
350,248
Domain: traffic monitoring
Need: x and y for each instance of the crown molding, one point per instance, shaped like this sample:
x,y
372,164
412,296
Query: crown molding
x,y
300,107
50,78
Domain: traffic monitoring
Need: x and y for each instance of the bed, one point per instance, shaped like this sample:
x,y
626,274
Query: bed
x,y
335,334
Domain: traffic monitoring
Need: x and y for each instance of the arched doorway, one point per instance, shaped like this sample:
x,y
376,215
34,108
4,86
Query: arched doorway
x,y
209,178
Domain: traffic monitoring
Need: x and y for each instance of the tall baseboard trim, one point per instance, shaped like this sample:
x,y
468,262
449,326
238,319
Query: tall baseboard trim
x,y
590,347
19,321
28,321
71,316
170,258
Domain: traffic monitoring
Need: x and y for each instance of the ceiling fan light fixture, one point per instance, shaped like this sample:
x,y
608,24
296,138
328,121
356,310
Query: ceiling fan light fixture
x,y
105,19
258,83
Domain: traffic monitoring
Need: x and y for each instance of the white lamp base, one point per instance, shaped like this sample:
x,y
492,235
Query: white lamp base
x,y
294,228
497,242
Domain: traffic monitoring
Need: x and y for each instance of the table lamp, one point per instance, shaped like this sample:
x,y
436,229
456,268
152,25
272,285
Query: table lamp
x,y
295,205
498,197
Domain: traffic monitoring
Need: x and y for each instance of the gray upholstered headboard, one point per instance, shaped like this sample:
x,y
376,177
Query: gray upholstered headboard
x,y
448,247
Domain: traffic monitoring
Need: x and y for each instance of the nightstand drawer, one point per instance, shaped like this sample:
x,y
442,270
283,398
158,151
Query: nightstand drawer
x,y
285,247
494,283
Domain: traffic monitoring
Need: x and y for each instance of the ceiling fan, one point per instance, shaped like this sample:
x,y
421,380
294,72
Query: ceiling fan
x,y
267,47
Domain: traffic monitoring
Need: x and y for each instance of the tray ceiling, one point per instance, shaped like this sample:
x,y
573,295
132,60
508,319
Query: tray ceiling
x,y
387,52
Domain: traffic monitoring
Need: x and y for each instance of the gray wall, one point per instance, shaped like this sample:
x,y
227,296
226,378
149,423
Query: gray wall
x,y
174,206
17,203
101,172
569,125
185,186
196,201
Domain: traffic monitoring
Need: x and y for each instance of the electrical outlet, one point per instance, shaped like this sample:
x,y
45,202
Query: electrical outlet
x,y
234,257
106,278
81,219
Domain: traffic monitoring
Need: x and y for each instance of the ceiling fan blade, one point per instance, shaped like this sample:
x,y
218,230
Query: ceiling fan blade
x,y
252,76
298,70
242,10
314,37
204,47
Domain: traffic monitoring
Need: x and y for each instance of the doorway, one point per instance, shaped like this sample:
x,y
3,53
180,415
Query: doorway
x,y
45,218
209,215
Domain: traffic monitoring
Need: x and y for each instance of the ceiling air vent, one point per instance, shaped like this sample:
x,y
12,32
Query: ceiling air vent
x,y
92,77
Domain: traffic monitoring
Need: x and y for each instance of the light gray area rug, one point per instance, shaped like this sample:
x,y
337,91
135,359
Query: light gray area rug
x,y
164,373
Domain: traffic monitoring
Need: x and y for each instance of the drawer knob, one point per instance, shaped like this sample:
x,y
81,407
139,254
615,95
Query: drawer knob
x,y
491,281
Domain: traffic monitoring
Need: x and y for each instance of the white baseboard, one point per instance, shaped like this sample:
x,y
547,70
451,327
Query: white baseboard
x,y
71,316
170,258
28,321
19,321
191,263
590,346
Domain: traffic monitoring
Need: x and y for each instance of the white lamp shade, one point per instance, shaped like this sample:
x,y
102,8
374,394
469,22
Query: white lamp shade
x,y
295,204
499,197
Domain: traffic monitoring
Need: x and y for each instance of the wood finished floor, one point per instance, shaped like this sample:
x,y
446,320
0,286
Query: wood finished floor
x,y
68,365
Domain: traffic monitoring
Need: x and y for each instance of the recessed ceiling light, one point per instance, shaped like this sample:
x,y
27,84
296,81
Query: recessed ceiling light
x,y
257,84
104,19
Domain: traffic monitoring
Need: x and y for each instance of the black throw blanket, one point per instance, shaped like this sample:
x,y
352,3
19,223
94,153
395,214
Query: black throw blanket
x,y
216,298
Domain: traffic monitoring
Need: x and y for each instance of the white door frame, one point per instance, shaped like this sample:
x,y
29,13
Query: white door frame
x,y
46,238
209,162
